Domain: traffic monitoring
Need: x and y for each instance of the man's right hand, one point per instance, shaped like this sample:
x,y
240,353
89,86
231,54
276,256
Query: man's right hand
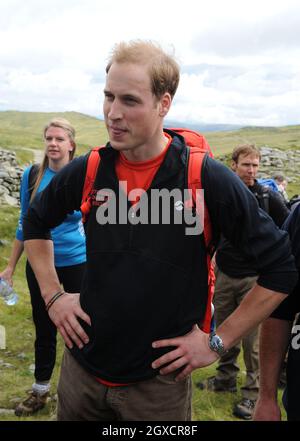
x,y
64,313
266,410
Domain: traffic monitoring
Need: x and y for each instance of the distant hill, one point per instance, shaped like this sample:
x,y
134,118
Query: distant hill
x,y
284,138
203,127
24,130
224,137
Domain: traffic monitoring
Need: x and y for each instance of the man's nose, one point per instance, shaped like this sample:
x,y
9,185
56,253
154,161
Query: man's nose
x,y
115,111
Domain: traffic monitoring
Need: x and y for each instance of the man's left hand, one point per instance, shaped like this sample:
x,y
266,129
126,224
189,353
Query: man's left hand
x,y
192,352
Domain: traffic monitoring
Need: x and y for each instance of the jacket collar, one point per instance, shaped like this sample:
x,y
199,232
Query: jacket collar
x,y
174,160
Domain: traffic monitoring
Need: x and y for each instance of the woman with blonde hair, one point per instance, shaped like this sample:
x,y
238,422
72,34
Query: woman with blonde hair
x,y
69,256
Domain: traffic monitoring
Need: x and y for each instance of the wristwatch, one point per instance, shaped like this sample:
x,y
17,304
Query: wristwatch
x,y
216,344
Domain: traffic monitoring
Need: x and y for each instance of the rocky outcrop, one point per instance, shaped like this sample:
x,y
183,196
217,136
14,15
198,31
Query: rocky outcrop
x,y
274,160
10,178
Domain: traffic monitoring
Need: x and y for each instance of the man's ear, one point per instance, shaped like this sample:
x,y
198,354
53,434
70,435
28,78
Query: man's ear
x,y
233,165
164,104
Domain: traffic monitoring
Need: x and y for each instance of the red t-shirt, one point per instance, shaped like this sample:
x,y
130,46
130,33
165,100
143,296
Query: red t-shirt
x,y
139,174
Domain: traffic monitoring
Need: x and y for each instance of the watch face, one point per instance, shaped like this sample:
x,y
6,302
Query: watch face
x,y
215,341
216,344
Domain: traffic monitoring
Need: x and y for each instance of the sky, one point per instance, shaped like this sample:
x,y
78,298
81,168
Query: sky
x,y
240,60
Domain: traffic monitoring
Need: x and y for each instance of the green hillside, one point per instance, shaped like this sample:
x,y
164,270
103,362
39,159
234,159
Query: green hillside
x,y
24,129
21,130
285,138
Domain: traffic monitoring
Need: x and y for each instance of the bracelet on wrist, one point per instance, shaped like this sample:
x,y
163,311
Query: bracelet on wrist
x,y
54,298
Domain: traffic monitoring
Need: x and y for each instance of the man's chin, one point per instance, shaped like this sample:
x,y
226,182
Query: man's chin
x,y
250,182
118,145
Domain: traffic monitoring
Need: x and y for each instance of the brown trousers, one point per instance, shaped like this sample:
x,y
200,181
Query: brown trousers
x,y
229,292
82,398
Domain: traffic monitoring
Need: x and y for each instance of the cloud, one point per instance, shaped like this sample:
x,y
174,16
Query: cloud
x,y
74,90
264,95
280,30
240,61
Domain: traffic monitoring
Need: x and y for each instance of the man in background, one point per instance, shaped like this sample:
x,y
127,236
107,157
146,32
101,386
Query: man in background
x,y
235,276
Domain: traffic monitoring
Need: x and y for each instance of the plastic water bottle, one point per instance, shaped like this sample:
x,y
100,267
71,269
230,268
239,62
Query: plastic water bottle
x,y
7,293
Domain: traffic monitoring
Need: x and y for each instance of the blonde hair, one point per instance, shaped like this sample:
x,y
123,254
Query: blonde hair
x,y
163,69
70,131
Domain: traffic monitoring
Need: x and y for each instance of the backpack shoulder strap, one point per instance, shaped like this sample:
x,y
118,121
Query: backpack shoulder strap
x,y
195,163
263,198
93,163
33,172
198,149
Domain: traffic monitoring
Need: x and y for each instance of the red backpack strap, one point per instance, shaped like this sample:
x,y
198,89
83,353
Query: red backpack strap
x,y
195,162
198,149
91,171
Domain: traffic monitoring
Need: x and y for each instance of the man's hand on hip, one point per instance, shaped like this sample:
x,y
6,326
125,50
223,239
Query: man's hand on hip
x,y
192,352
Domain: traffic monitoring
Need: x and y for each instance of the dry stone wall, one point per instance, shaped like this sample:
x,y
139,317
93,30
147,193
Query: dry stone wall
x,y
10,178
286,162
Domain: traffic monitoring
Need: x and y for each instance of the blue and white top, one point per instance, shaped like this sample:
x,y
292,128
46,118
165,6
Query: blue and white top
x,y
68,238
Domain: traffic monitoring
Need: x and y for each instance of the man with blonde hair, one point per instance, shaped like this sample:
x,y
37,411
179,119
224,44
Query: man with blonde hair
x,y
135,330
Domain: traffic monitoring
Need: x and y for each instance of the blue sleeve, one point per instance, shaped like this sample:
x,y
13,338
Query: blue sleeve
x,y
25,198
61,197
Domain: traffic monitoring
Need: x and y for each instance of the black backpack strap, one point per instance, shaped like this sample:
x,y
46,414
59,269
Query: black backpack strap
x,y
263,199
33,172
